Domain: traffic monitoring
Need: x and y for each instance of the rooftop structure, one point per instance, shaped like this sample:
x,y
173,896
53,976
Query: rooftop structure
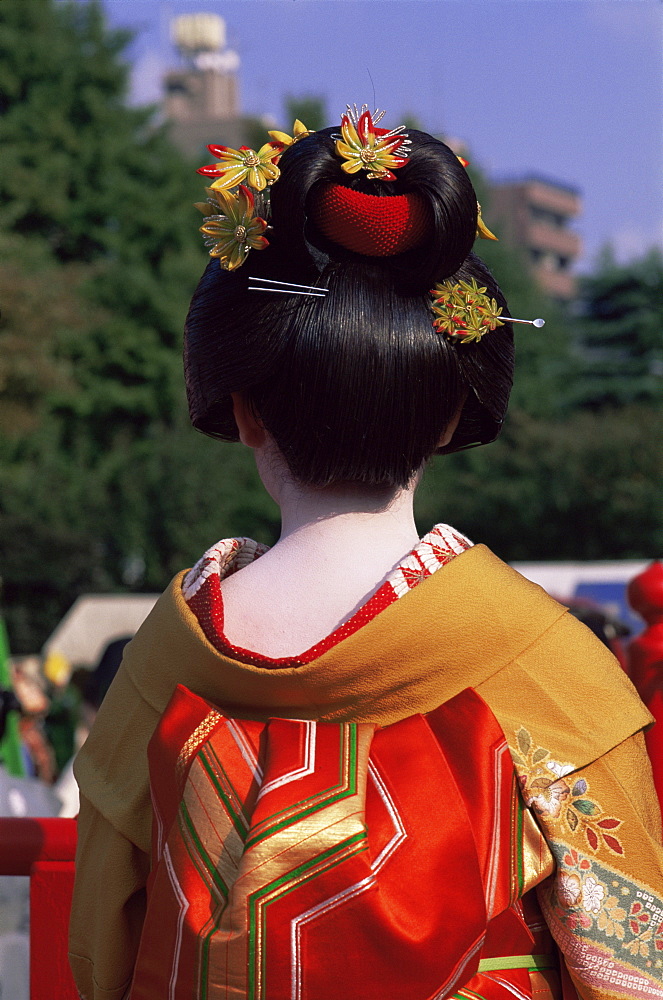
x,y
95,620
201,100
534,213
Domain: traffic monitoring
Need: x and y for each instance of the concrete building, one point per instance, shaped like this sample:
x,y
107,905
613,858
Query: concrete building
x,y
534,214
201,99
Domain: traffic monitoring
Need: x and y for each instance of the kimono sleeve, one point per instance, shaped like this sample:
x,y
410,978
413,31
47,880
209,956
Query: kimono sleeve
x,y
109,908
604,902
113,852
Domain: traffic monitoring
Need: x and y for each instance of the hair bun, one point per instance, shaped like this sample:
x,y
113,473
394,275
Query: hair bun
x,y
368,224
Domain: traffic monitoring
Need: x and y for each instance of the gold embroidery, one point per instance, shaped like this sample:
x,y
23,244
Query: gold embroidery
x,y
290,856
538,861
214,828
198,736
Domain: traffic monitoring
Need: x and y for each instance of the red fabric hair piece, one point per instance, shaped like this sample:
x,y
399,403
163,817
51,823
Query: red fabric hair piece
x,y
369,224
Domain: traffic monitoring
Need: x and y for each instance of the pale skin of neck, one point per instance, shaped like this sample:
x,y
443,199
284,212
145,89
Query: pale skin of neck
x,y
336,548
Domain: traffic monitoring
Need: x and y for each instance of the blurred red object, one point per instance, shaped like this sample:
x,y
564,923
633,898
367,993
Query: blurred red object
x,y
44,849
645,594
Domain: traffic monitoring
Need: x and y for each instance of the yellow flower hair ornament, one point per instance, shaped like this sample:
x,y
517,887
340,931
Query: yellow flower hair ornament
x,y
482,229
232,227
299,131
364,146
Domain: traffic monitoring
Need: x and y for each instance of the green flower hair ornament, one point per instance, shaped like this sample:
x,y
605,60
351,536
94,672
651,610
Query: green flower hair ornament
x,y
231,227
463,311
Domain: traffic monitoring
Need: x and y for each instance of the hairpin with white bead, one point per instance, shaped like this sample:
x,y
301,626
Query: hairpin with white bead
x,y
533,322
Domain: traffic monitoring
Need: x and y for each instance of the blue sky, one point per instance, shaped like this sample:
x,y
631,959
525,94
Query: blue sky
x,y
571,89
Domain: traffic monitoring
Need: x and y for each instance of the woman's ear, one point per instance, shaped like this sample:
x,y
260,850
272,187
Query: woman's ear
x,y
251,430
451,427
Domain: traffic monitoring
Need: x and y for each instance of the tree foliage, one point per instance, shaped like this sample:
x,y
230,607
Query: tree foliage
x,y
586,486
620,343
310,109
29,368
99,255
94,183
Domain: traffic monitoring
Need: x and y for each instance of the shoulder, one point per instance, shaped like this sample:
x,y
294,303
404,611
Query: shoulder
x,y
566,693
553,678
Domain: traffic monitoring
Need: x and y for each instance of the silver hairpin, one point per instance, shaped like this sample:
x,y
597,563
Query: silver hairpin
x,y
354,113
288,288
533,322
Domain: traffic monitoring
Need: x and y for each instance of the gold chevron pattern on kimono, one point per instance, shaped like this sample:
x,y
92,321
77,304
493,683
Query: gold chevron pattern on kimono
x,y
299,860
284,846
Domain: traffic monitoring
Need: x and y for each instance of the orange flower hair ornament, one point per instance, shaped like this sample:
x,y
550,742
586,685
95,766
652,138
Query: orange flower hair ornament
x,y
258,169
233,225
364,146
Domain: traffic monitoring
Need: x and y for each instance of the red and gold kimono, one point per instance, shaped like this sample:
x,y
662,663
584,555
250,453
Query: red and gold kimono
x,y
409,809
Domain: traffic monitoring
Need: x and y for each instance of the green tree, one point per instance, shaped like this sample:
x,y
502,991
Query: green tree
x,y
620,342
586,486
95,183
310,109
100,253
30,323
52,546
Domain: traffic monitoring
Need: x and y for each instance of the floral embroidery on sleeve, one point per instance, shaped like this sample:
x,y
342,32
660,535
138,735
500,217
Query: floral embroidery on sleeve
x,y
568,802
607,923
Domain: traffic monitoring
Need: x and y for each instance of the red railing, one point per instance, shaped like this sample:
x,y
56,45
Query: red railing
x,y
44,849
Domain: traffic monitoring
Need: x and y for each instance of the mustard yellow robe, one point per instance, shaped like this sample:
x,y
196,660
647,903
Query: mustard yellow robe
x,y
562,700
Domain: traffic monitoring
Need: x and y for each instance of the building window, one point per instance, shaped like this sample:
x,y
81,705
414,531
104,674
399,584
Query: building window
x,y
547,216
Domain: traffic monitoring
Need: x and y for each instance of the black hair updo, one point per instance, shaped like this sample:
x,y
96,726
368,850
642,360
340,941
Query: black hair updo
x,y
357,387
